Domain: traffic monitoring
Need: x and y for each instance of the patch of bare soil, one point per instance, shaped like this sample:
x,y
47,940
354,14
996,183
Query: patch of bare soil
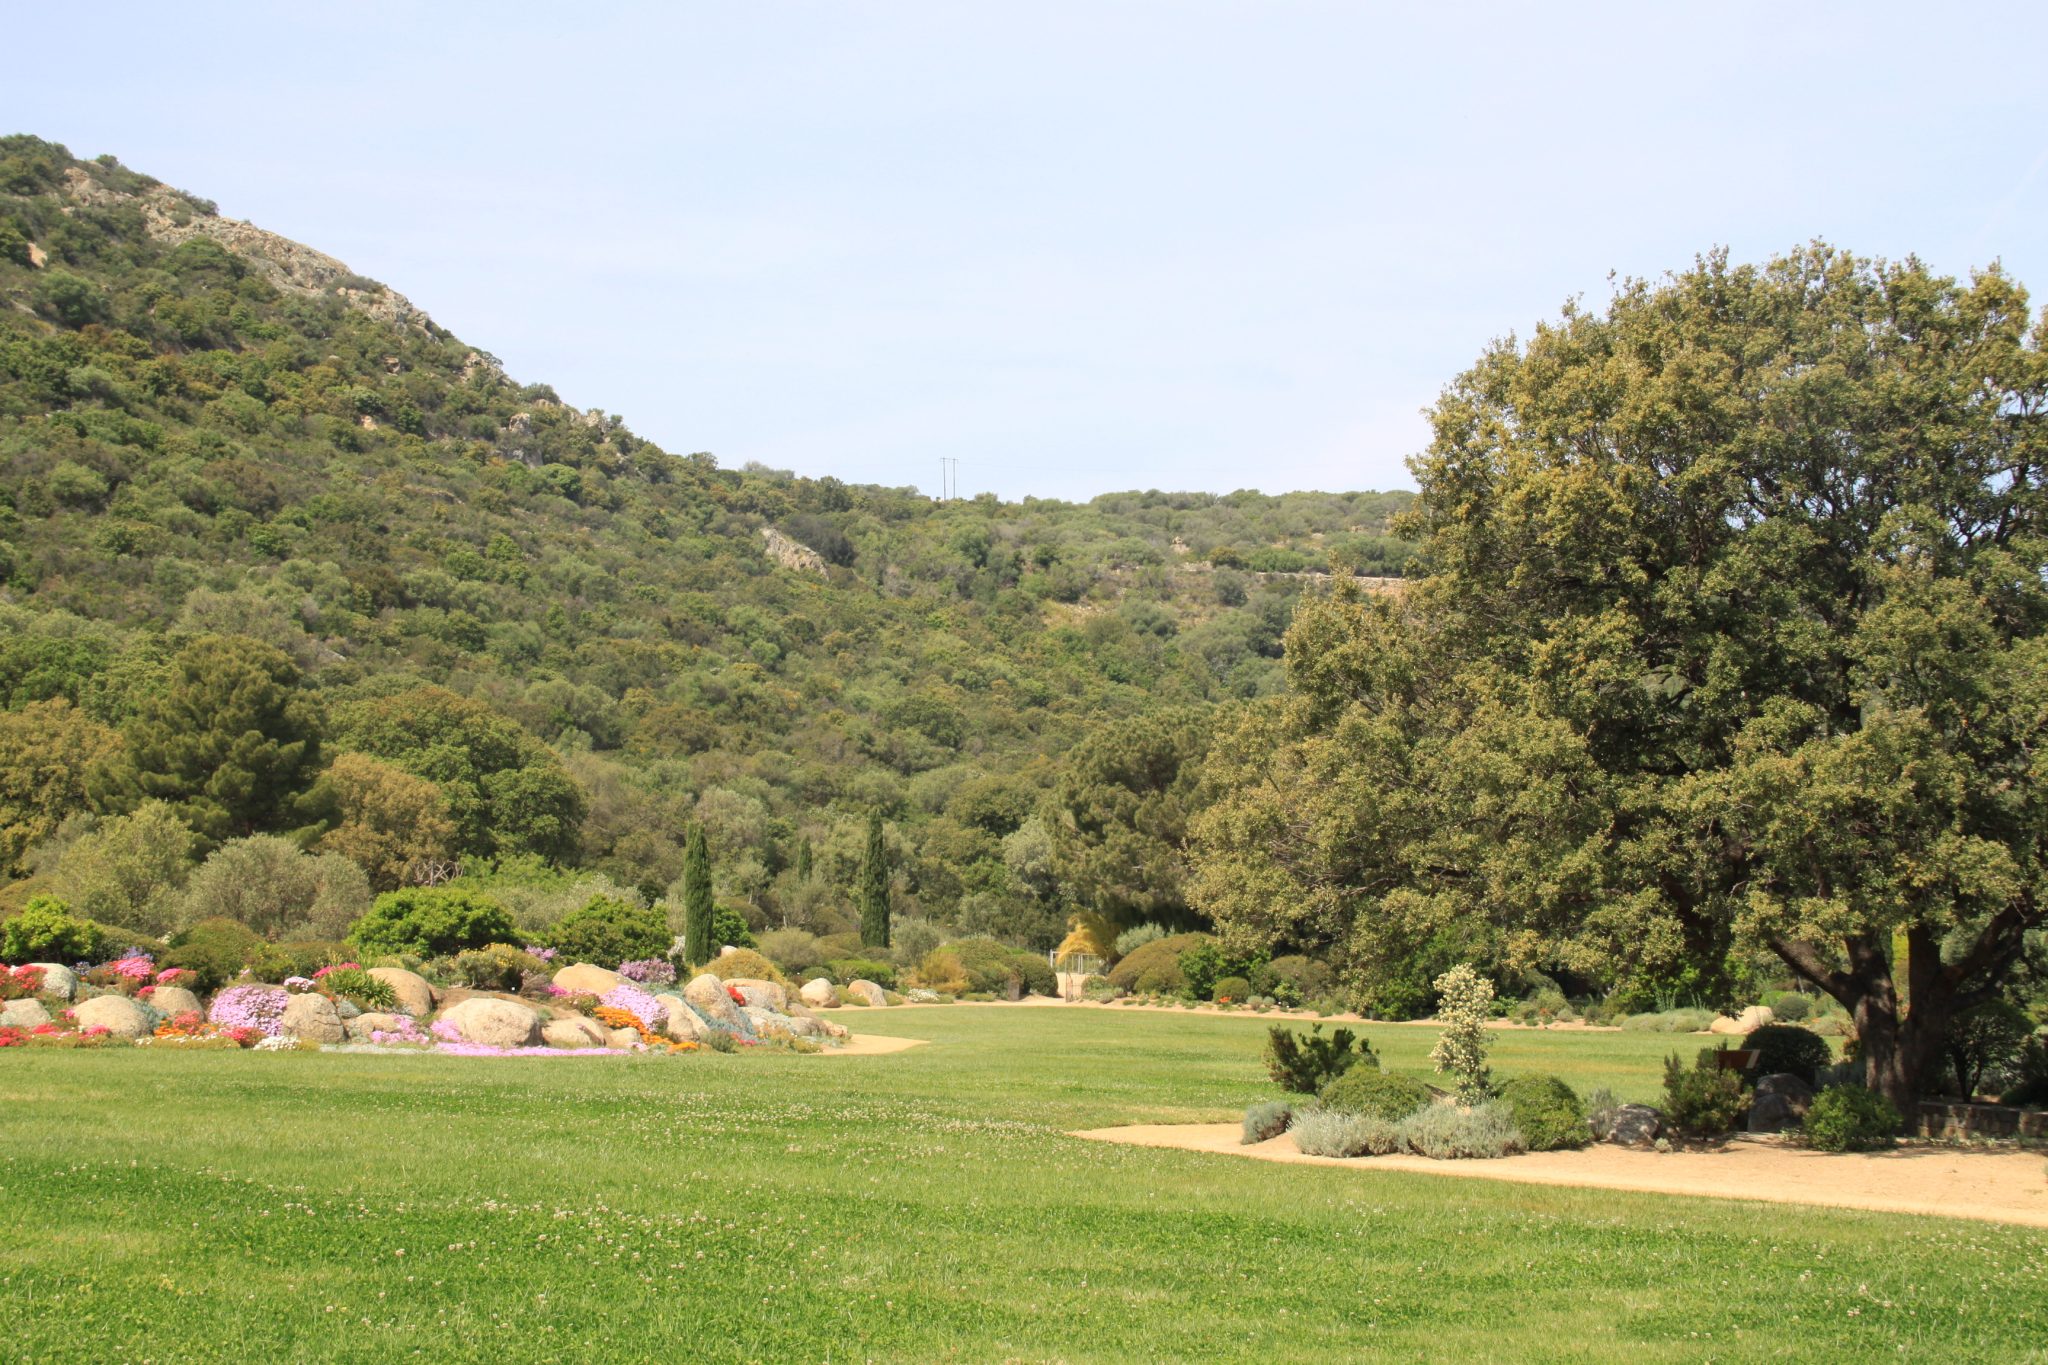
x,y
869,1045
1994,1186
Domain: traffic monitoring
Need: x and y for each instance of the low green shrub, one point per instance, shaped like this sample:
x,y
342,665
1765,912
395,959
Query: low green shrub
x,y
1670,1021
1789,1006
1602,1107
1789,1048
1303,1063
1164,979
1548,1113
843,970
1231,990
214,949
1324,1133
744,964
430,922
1099,988
1159,953
607,932
359,988
1702,1102
1035,974
1851,1118
495,967
1376,1093
1449,1132
1292,980
1268,1119
46,931
798,952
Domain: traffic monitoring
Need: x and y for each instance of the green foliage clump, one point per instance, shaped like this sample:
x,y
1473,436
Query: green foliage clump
x,y
1231,990
216,949
1669,1021
1303,1063
607,932
745,964
1160,954
1292,980
1789,1048
1987,1036
843,970
874,887
1325,1132
498,967
1379,1094
1266,1119
46,931
359,988
430,922
1701,1101
1547,1111
1850,1118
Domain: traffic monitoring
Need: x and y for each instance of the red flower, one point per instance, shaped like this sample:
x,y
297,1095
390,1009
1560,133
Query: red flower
x,y
734,992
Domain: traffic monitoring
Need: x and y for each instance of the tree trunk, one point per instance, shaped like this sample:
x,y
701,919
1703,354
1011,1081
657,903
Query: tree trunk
x,y
1900,1048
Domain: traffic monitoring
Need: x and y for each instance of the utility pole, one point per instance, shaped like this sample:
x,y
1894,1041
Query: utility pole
x,y
949,478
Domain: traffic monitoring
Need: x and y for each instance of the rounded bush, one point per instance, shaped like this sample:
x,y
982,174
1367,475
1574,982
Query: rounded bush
x,y
1160,953
1446,1132
1547,1111
1036,974
1231,989
215,949
608,932
1375,1094
1268,1119
1165,979
744,964
431,922
1851,1118
1789,1048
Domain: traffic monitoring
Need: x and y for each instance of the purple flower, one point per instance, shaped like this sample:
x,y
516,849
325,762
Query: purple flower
x,y
544,954
257,1007
636,1002
446,1031
649,971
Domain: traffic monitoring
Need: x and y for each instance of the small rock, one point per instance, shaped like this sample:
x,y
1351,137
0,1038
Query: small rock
x,y
1750,1020
363,1025
58,980
23,1013
175,1000
820,994
495,1023
574,1031
1635,1125
1781,1102
622,1038
867,992
586,979
833,1030
312,1018
117,1014
410,989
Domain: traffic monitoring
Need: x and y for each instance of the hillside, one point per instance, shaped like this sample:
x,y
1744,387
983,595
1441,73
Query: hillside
x,y
206,430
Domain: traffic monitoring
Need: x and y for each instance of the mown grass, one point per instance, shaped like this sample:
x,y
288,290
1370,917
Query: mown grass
x,y
920,1206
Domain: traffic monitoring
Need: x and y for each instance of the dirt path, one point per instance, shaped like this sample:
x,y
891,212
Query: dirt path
x,y
1999,1187
870,1045
1032,1002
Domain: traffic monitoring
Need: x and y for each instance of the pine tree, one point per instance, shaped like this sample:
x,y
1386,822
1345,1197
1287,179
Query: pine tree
x,y
697,898
874,887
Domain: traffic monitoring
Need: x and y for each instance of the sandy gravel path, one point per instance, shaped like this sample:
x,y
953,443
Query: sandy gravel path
x,y
2000,1186
869,1045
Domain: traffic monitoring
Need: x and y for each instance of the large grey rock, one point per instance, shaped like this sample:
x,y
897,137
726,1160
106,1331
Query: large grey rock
x,y
409,989
58,980
820,994
586,979
867,992
494,1023
707,994
574,1031
312,1018
23,1014
1781,1102
682,1023
1635,1125
117,1014
175,1000
765,995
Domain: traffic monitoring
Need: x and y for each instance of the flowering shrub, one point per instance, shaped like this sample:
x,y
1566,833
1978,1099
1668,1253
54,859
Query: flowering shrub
x,y
190,1024
13,1037
645,1009
407,1032
544,954
446,1031
253,1007
651,971
613,1017
738,998
350,982
300,984
178,976
19,982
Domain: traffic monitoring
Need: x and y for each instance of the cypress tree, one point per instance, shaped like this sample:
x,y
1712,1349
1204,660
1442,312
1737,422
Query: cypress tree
x,y
874,887
696,898
803,861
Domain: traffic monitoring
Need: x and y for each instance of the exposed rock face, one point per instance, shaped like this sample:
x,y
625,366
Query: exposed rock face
x,y
574,1031
312,1019
362,1026
792,554
23,1014
58,980
586,979
170,217
867,992
765,994
175,1000
622,1038
681,1023
707,995
1781,1102
820,994
117,1014
1635,1125
495,1023
413,993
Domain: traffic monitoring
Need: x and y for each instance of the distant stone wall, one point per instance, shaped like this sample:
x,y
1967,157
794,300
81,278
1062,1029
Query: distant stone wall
x,y
1943,1119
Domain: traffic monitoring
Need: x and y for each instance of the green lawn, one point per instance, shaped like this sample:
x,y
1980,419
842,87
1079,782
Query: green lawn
x,y
920,1206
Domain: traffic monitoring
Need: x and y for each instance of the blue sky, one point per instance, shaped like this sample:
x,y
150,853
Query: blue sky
x,y
1078,247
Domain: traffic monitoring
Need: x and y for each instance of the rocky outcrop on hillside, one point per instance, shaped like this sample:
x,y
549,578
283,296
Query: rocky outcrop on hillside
x,y
792,554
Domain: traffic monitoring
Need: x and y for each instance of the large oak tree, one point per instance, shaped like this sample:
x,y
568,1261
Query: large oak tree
x,y
1731,637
